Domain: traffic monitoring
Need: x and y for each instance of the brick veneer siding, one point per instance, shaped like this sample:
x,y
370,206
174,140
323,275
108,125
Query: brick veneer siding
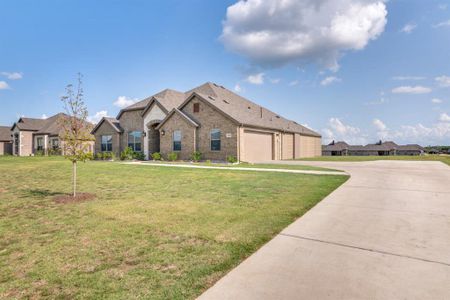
x,y
106,129
210,118
131,121
176,122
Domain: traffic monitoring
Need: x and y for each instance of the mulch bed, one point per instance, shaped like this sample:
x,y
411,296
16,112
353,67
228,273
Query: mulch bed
x,y
80,197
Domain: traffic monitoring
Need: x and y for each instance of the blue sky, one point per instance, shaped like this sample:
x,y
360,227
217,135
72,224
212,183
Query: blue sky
x,y
388,78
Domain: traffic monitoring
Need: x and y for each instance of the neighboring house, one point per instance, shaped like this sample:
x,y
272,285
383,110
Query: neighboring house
x,y
209,119
377,149
5,140
32,136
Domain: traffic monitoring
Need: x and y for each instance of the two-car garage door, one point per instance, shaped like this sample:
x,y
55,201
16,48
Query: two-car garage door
x,y
258,146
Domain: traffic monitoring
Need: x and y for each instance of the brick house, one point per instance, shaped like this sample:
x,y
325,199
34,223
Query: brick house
x,y
378,149
209,119
31,136
5,140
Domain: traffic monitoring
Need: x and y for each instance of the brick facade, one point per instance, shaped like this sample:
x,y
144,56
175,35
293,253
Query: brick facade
x,y
107,129
188,135
210,118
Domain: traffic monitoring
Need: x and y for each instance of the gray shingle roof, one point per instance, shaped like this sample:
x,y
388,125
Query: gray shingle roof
x,y
238,108
338,146
30,124
5,134
51,126
246,112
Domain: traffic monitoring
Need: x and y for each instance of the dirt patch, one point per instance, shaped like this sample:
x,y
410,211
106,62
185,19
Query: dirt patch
x,y
2,190
81,197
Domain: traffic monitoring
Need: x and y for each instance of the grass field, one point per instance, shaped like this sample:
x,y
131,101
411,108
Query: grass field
x,y
155,233
443,158
248,165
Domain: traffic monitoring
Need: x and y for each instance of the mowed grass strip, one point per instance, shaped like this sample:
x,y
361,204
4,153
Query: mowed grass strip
x,y
443,158
156,233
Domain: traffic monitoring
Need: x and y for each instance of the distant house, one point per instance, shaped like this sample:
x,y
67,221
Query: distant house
x,y
210,119
31,136
5,140
377,149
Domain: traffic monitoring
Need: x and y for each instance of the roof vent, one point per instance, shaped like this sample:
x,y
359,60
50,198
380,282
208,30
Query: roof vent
x,y
212,98
222,86
249,107
226,101
277,117
215,84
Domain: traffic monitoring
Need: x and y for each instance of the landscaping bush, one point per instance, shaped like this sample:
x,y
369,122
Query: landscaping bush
x,y
172,156
196,156
56,151
39,153
99,156
107,155
156,156
127,154
139,155
90,156
231,159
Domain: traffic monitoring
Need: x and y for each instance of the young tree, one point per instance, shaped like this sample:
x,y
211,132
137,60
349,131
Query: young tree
x,y
76,130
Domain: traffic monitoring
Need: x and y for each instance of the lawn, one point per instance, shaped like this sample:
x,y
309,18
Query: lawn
x,y
443,158
249,165
152,232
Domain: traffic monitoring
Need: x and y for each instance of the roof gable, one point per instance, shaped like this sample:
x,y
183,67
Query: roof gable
x,y
5,134
114,123
180,113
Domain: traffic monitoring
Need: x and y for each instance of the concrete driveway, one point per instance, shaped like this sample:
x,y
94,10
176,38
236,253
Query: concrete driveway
x,y
384,234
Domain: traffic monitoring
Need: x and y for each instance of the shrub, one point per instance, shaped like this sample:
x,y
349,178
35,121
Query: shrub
x,y
139,155
39,153
196,156
172,156
156,156
56,151
127,154
231,159
90,156
107,155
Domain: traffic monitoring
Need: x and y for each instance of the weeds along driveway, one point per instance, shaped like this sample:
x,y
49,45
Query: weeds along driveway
x,y
384,234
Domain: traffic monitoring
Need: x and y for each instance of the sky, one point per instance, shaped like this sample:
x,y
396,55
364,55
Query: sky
x,y
353,70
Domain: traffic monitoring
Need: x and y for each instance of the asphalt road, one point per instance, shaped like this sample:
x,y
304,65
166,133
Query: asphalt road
x,y
384,234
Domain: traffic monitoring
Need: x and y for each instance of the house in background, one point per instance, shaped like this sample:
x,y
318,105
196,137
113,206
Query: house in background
x,y
5,140
377,149
210,119
31,136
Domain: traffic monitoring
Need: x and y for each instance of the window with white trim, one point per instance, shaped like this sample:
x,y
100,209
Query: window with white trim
x,y
134,140
215,140
177,140
106,143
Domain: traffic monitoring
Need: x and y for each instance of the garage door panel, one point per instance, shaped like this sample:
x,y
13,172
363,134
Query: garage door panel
x,y
288,146
258,146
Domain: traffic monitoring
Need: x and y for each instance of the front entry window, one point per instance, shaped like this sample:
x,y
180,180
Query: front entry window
x,y
55,144
134,140
177,140
40,144
106,142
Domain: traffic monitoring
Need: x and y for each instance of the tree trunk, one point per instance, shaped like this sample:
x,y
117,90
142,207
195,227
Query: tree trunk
x,y
74,178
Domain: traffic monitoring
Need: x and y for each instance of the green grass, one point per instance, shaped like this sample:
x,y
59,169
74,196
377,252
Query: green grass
x,y
248,165
155,233
443,158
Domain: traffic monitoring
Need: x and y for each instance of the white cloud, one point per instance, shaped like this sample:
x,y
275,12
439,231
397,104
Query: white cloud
x,y
123,101
411,90
13,75
294,83
443,81
444,117
442,24
442,6
256,78
408,78
3,85
44,116
237,88
274,33
408,28
379,125
339,131
329,80
436,101
275,80
98,116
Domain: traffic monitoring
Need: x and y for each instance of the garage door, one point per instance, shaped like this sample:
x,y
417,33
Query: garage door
x,y
257,146
288,146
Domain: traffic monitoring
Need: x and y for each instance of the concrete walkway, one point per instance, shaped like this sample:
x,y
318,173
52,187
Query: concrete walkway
x,y
385,234
237,168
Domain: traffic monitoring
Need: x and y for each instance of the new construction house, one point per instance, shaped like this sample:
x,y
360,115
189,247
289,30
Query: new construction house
x,y
210,119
